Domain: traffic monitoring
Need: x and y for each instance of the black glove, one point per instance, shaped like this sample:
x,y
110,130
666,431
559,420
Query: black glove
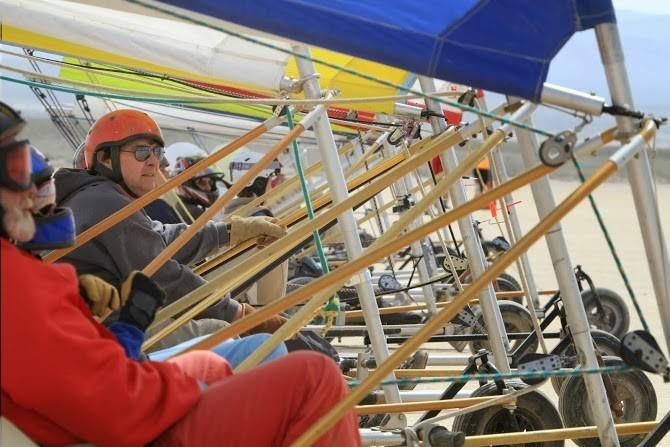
x,y
143,297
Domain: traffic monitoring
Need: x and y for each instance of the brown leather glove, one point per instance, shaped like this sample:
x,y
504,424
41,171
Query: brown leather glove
x,y
262,228
268,326
102,297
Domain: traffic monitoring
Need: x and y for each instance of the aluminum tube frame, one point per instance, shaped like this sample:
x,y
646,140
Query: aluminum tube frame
x,y
639,174
433,359
382,220
448,360
515,225
403,188
556,95
473,247
574,308
527,273
423,395
417,250
346,221
376,437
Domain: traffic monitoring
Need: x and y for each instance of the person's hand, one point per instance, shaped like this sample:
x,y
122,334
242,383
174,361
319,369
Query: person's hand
x,y
262,228
102,297
142,297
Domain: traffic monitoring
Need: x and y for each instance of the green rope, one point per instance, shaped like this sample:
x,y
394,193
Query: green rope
x,y
610,244
344,69
333,304
505,376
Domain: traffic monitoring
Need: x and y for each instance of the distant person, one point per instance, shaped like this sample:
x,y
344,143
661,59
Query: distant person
x,y
199,192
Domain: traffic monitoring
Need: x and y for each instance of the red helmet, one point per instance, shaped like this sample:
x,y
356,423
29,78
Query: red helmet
x,y
117,128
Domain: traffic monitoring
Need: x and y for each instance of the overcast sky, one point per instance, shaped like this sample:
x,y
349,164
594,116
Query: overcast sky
x,y
646,6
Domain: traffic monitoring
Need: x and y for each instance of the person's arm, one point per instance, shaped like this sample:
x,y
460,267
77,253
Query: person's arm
x,y
133,244
58,363
129,337
211,237
129,245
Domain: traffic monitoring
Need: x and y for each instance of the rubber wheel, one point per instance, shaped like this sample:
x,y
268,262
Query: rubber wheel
x,y
534,411
615,317
516,318
633,389
607,344
503,284
294,284
511,279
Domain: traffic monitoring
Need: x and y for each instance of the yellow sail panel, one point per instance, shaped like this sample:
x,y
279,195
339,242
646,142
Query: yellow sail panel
x,y
135,82
147,86
353,86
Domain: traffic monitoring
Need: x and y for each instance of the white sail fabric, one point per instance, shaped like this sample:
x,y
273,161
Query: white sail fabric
x,y
140,41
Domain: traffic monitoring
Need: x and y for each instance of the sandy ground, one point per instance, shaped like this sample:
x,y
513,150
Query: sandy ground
x,y
588,247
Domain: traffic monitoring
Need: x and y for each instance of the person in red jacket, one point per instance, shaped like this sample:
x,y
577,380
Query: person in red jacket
x,y
66,380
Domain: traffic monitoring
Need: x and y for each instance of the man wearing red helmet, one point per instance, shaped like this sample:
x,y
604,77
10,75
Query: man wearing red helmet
x,y
122,152
66,380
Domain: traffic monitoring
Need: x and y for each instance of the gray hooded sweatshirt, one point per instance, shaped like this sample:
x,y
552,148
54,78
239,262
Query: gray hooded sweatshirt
x,y
133,243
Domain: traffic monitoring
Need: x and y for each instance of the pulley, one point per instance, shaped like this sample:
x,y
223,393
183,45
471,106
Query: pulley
x,y
557,150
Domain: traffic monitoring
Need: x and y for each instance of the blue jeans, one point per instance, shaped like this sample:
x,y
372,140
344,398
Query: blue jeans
x,y
234,351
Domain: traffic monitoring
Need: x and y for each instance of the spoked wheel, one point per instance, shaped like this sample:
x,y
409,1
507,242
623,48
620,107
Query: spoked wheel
x,y
632,390
516,318
534,411
613,317
607,344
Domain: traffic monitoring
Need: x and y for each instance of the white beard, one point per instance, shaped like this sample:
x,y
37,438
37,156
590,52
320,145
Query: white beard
x,y
17,219
18,224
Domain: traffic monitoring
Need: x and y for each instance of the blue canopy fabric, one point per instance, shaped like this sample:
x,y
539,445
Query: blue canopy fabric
x,y
504,46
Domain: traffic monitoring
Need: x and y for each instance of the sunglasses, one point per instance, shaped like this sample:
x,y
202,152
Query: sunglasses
x,y
142,153
16,166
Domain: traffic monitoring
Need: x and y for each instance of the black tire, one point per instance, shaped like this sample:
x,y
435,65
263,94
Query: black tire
x,y
294,284
633,388
516,318
503,284
607,344
511,279
615,317
534,411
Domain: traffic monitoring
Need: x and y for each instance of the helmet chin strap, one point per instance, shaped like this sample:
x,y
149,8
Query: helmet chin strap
x,y
114,174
